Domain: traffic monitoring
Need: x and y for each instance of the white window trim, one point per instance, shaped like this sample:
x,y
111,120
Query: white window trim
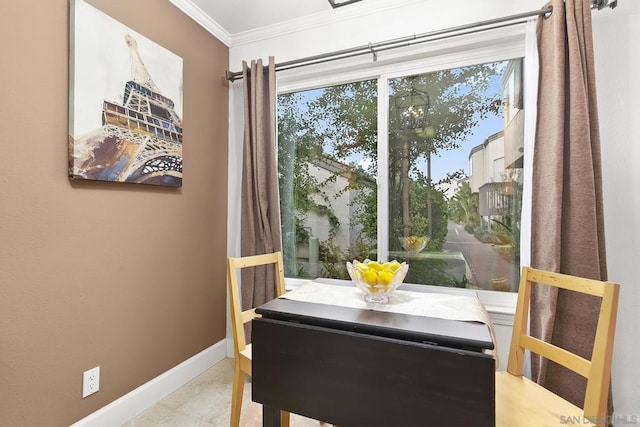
x,y
490,46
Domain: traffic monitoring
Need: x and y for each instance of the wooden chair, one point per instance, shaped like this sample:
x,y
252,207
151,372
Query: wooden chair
x,y
242,350
522,402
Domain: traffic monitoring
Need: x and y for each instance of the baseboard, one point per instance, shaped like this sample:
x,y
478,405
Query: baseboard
x,y
137,401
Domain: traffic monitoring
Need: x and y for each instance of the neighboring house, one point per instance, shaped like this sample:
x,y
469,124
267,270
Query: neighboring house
x,y
496,163
487,175
334,178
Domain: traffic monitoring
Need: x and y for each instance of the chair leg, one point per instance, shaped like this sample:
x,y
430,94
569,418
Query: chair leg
x,y
236,395
285,418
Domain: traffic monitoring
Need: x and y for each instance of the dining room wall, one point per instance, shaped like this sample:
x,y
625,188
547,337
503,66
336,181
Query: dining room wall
x,y
127,277
617,54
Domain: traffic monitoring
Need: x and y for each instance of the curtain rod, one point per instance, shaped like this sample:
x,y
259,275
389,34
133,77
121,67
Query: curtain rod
x,y
374,48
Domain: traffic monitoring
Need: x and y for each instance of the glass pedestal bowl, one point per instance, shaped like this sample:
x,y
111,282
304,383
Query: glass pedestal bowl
x,y
413,244
377,280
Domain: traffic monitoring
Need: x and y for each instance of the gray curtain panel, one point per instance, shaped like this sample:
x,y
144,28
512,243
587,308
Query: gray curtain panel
x,y
260,215
567,228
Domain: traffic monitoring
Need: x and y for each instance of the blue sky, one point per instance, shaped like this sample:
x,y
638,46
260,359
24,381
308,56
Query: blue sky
x,y
459,158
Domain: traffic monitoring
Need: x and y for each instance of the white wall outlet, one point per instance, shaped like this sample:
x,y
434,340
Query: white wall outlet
x,y
90,381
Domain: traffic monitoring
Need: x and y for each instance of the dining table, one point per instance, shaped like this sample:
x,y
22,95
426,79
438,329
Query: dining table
x,y
422,358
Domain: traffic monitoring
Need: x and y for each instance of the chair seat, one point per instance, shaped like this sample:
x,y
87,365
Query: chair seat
x,y
521,402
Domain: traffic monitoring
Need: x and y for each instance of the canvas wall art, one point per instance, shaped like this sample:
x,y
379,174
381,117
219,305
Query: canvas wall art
x,y
125,118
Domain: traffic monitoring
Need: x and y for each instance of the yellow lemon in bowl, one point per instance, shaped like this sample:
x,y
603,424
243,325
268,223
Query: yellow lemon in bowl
x,y
375,265
393,266
370,276
385,277
361,267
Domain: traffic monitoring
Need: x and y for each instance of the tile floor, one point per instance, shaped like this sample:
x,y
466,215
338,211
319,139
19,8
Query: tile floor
x,y
205,402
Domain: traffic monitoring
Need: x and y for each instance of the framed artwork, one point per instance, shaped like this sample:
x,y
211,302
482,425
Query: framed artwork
x,y
125,103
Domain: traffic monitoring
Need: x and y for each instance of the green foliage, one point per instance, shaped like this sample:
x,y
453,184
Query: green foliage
x,y
366,213
509,234
302,235
419,195
345,118
456,105
340,123
508,230
463,207
334,258
299,148
434,271
455,101
301,271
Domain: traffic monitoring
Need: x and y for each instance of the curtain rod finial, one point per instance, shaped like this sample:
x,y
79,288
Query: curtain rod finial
x,y
229,75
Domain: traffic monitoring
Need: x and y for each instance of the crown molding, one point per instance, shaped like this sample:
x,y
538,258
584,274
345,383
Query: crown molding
x,y
318,20
287,27
205,21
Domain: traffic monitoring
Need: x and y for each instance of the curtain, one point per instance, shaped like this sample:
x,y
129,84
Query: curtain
x,y
260,216
567,229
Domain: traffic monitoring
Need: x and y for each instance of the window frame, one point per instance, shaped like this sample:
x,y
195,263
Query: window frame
x,y
490,46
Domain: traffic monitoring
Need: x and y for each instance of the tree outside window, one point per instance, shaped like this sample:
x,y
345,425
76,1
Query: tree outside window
x,y
454,185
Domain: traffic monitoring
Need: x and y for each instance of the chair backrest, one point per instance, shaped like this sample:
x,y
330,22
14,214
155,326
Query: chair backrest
x,y
597,371
238,316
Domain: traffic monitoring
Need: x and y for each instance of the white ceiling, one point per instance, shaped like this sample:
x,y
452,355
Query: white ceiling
x,y
230,19
227,19
237,16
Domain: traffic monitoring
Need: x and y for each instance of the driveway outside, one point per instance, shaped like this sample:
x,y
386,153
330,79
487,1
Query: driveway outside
x,y
484,260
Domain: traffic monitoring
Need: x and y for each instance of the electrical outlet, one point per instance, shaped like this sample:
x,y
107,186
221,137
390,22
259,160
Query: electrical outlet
x,y
90,381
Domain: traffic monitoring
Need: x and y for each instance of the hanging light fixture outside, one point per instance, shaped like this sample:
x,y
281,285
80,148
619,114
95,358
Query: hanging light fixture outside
x,y
412,107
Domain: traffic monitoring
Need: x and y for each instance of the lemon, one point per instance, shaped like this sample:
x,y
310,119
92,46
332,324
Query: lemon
x,y
375,265
370,276
385,277
394,265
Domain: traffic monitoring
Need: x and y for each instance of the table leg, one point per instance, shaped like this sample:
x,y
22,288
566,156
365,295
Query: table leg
x,y
270,416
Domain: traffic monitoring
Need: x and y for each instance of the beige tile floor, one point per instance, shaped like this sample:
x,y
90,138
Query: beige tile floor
x,y
206,401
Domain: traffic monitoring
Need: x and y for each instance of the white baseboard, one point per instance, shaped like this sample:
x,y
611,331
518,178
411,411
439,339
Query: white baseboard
x,y
137,401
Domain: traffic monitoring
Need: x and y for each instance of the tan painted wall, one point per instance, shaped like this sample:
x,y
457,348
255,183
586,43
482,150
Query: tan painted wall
x,y
128,277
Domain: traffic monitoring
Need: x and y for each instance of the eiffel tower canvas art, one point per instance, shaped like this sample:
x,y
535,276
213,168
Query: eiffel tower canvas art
x,y
125,118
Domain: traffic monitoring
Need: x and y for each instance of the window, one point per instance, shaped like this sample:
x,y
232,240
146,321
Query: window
x,y
434,178
327,151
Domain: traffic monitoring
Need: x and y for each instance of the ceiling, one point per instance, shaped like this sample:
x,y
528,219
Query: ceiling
x,y
228,18
236,16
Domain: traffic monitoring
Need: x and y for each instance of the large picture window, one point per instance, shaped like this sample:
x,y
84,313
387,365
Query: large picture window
x,y
446,196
